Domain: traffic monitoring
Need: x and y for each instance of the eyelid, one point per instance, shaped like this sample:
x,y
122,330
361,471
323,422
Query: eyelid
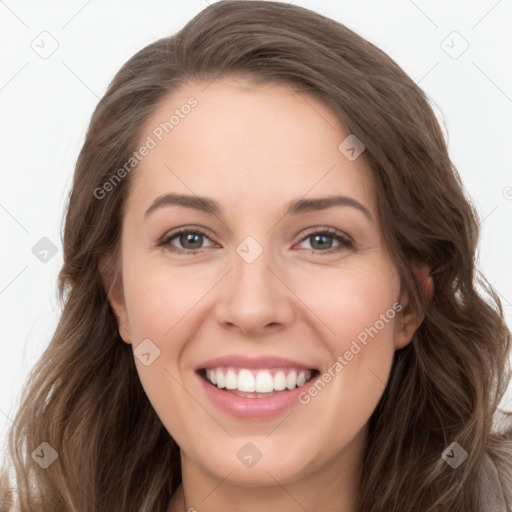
x,y
187,229
330,231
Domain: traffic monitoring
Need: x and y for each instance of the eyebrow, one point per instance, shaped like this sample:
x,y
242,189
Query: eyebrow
x,y
294,207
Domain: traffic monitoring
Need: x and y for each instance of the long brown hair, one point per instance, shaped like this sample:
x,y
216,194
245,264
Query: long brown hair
x,y
84,397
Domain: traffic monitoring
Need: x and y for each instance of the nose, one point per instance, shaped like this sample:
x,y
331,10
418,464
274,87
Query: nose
x,y
255,298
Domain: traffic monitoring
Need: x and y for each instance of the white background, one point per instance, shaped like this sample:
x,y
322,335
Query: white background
x,y
46,105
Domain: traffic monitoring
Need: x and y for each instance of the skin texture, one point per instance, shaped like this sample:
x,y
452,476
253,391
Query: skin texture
x,y
253,149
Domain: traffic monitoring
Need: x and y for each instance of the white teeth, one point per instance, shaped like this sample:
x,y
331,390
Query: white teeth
x,y
231,380
264,382
279,381
257,381
291,380
221,380
245,381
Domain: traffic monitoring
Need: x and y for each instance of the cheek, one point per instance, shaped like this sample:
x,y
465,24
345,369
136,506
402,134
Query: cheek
x,y
355,303
344,303
160,303
357,309
159,298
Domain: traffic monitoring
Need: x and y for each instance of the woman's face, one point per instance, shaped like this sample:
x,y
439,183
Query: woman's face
x,y
279,283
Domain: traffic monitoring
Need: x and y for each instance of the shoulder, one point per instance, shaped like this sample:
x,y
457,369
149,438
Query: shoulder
x,y
491,491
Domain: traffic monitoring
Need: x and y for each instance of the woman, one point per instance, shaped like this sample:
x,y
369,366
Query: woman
x,y
322,346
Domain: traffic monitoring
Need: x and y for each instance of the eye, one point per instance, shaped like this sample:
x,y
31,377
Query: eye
x,y
190,240
320,240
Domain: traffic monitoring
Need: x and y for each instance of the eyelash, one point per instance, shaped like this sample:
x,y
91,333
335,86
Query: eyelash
x,y
344,241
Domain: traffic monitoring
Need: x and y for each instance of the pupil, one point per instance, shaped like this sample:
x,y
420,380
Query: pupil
x,y
315,237
190,238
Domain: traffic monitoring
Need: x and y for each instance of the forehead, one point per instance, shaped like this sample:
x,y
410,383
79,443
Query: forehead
x,y
249,143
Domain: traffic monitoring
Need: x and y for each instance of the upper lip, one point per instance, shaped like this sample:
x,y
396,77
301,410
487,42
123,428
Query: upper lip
x,y
245,361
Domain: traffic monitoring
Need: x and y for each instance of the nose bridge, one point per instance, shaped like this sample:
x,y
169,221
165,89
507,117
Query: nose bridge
x,y
251,269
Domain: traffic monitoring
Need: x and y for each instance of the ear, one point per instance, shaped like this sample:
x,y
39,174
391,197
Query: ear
x,y
112,280
411,317
118,303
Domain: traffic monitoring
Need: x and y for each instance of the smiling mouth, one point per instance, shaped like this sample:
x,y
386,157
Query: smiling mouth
x,y
257,383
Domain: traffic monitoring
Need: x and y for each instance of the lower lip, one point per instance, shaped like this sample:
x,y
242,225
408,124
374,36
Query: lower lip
x,y
253,408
